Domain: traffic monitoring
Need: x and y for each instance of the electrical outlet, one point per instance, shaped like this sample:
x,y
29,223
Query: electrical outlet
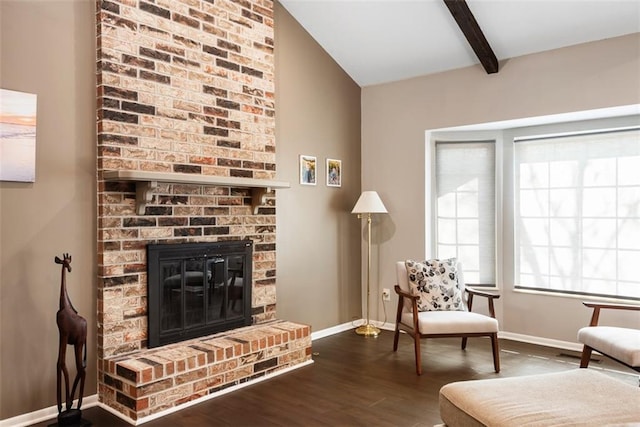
x,y
386,295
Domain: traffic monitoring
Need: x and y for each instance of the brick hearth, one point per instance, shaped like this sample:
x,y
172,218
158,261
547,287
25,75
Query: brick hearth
x,y
151,381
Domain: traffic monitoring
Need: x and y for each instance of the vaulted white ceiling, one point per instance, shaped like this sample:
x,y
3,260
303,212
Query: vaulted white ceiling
x,y
379,41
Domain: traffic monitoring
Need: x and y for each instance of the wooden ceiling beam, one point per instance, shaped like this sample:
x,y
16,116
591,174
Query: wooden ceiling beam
x,y
471,30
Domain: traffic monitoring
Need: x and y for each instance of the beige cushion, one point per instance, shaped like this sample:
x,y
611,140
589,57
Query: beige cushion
x,y
452,322
620,343
580,397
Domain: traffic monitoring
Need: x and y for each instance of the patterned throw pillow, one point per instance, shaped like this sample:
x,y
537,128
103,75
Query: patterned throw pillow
x,y
436,282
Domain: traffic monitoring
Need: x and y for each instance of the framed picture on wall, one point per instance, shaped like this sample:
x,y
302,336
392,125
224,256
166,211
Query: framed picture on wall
x,y
308,170
17,136
334,173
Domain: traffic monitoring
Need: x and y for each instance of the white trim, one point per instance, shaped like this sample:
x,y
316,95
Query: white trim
x,y
46,414
387,326
563,345
600,113
547,342
530,339
581,297
348,326
331,331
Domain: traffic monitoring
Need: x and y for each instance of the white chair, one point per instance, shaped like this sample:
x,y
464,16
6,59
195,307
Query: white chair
x,y
619,344
443,323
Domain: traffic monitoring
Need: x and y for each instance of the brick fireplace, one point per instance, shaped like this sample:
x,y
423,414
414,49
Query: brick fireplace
x,y
184,87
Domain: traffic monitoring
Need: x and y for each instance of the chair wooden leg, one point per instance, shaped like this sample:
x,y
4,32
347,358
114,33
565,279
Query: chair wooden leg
x,y
586,356
495,346
396,336
416,341
464,343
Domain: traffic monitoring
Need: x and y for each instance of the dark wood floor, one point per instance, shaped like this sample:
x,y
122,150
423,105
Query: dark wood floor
x,y
357,381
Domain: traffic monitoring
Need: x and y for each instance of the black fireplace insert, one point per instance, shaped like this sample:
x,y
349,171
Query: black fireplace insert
x,y
197,289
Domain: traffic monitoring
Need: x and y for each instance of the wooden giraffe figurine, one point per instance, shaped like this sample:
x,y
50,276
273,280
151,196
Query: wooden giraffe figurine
x,y
73,331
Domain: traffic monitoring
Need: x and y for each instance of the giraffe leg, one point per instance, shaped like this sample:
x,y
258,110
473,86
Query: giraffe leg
x,y
61,356
81,372
67,395
77,378
83,365
62,368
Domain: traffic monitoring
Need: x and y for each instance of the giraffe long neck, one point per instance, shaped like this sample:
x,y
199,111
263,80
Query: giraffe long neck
x,y
64,297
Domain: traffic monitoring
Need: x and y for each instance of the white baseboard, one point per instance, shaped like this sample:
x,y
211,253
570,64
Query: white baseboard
x,y
547,342
348,326
46,414
530,339
332,331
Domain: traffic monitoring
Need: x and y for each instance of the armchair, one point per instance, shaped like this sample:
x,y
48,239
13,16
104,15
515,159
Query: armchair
x,y
460,321
619,344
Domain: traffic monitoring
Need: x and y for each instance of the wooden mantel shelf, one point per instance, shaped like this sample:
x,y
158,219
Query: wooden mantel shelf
x,y
147,182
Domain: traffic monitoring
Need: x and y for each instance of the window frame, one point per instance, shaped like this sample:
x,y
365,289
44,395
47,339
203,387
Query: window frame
x,y
504,133
581,128
431,189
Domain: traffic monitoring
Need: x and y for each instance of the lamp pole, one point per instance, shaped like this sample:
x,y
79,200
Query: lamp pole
x,y
367,329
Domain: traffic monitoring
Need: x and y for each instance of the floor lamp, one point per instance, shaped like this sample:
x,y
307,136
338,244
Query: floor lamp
x,y
368,203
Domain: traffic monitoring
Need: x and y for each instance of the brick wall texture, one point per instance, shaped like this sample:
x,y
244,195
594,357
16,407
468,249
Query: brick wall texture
x,y
142,384
183,86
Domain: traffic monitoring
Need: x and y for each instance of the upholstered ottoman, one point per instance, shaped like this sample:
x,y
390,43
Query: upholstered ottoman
x,y
580,397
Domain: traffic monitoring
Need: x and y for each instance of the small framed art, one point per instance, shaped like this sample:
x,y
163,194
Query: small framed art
x,y
308,170
334,173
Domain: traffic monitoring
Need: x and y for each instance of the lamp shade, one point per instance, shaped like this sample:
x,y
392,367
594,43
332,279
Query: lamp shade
x,y
369,202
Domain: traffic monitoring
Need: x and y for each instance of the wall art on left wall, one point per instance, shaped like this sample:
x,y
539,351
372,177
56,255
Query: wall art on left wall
x,y
17,136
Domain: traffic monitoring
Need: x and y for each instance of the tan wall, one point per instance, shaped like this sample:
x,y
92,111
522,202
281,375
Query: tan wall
x,y
318,242
395,117
47,48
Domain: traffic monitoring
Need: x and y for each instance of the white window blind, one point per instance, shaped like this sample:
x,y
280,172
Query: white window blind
x,y
577,213
465,207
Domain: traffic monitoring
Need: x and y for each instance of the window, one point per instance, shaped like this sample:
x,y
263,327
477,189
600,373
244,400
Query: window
x,y
577,213
465,207
552,208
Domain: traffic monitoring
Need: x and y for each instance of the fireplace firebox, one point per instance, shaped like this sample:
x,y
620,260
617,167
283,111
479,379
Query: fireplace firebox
x,y
197,289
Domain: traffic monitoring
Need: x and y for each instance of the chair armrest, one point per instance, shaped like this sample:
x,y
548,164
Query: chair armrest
x,y
615,306
404,294
414,306
612,305
480,293
490,297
